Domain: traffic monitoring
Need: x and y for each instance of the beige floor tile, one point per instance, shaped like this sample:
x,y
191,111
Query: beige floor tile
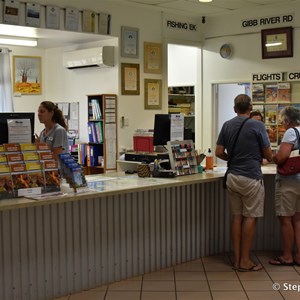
x,y
158,296
272,268
229,296
291,275
260,275
264,295
190,276
88,295
221,258
154,285
193,296
230,285
261,285
100,288
114,295
290,295
159,276
289,289
217,267
191,286
136,278
297,268
189,267
221,276
203,279
127,285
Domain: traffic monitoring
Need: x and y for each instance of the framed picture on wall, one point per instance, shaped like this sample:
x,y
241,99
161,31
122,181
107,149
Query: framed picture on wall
x,y
277,42
153,93
27,75
152,58
130,79
129,42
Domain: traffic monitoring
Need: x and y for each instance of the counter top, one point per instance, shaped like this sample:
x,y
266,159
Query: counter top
x,y
117,183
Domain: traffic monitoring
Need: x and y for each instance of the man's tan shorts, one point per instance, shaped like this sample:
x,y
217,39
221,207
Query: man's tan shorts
x,y
246,195
287,196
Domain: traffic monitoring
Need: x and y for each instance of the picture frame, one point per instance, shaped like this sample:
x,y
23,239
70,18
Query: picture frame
x,y
277,42
27,75
130,79
152,58
129,42
153,93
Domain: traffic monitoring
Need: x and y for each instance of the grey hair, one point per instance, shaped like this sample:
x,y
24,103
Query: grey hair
x,y
291,115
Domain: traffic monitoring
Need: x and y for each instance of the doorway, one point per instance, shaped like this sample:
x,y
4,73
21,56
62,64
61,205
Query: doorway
x,y
223,103
183,85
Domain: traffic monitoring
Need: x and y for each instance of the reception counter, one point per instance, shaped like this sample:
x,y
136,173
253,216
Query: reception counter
x,y
122,227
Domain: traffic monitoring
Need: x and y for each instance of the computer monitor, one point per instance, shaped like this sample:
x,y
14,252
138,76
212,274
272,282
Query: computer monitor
x,y
4,116
162,129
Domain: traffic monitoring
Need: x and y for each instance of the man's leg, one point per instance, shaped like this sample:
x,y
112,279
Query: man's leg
x,y
248,233
236,232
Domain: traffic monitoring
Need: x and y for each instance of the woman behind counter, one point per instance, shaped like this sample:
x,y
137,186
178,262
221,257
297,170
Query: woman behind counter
x,y
287,196
55,132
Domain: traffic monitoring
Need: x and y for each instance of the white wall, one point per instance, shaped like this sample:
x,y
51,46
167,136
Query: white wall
x,y
246,57
216,31
182,65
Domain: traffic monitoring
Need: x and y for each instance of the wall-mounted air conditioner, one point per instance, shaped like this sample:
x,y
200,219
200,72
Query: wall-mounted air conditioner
x,y
92,57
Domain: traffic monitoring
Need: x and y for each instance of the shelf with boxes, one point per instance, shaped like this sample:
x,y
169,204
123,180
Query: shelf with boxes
x,y
181,99
270,94
99,155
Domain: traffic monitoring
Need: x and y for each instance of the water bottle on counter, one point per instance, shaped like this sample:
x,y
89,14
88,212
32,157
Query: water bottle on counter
x,y
209,161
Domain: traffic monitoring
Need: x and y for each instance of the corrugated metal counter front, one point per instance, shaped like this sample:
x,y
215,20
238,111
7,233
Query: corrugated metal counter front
x,y
62,245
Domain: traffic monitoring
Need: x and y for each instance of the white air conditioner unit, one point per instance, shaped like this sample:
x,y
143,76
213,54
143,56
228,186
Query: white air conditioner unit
x,y
92,57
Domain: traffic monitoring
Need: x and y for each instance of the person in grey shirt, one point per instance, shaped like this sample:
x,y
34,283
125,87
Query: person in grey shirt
x,y
55,131
245,185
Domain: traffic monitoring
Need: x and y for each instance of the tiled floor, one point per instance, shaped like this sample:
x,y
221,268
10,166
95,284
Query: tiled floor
x,y
207,278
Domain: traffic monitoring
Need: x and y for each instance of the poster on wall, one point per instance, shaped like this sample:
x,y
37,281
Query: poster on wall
x,y
33,14
27,75
71,19
52,17
104,23
11,12
88,21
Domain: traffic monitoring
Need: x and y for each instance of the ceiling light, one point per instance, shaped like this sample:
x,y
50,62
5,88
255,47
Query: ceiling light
x,y
205,0
6,40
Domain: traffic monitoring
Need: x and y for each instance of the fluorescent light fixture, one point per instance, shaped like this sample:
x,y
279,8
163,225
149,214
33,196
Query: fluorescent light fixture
x,y
6,40
205,0
273,44
21,31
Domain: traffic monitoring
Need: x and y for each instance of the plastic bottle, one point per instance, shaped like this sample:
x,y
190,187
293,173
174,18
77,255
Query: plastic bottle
x,y
209,160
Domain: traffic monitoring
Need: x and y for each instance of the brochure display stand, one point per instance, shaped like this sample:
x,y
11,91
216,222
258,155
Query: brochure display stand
x,y
183,157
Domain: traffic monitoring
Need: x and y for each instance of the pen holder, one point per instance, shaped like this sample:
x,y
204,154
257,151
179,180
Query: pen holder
x,y
143,170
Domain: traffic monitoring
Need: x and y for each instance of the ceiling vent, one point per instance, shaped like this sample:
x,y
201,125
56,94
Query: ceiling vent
x,y
87,58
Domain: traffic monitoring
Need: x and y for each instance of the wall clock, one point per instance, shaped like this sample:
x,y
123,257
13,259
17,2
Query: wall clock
x,y
226,51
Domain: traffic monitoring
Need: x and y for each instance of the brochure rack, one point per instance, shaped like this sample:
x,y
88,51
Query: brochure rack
x,y
182,157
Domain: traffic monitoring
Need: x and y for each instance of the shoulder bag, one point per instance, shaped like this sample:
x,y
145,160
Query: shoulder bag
x,y
292,165
230,158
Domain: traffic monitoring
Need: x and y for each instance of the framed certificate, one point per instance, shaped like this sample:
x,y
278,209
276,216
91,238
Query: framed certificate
x,y
152,58
130,79
153,93
129,42
277,42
